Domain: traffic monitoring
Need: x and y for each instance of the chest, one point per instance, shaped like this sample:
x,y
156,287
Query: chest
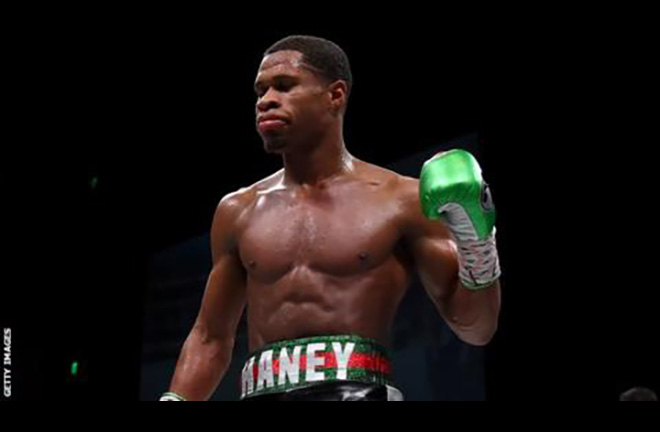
x,y
336,234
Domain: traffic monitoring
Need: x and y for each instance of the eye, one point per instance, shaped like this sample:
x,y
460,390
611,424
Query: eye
x,y
283,87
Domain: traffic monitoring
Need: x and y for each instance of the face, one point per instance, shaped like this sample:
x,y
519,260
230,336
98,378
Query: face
x,y
294,105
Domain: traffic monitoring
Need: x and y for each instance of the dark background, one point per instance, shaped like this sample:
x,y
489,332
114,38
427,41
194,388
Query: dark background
x,y
161,113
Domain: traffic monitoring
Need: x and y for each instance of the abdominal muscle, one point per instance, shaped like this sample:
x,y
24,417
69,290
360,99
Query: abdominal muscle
x,y
306,303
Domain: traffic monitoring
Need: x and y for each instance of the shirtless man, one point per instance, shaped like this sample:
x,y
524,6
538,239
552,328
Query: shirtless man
x,y
322,252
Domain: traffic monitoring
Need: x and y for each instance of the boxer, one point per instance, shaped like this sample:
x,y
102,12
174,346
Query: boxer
x,y
321,252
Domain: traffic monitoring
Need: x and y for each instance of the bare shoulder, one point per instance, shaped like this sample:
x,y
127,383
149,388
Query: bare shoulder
x,y
243,197
413,221
398,188
380,176
408,189
230,213
234,204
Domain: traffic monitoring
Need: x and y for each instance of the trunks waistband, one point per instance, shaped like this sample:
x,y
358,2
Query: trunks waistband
x,y
293,364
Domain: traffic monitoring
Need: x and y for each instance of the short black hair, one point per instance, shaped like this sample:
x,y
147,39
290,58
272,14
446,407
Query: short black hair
x,y
638,394
330,61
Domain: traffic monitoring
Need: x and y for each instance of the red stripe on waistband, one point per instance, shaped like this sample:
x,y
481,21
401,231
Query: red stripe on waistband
x,y
373,363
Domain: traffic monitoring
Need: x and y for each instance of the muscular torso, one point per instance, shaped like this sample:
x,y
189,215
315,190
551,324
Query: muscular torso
x,y
328,259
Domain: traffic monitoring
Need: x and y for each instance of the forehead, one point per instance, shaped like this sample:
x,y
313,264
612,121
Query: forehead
x,y
282,62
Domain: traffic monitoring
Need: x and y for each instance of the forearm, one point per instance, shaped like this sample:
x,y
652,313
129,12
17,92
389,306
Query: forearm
x,y
202,364
452,188
473,315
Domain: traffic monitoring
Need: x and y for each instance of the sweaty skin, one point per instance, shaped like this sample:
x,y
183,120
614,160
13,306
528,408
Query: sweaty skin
x,y
331,259
327,245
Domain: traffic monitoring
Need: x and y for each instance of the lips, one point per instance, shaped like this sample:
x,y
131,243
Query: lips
x,y
271,122
268,117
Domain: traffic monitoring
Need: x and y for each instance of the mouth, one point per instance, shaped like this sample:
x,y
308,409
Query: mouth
x,y
269,125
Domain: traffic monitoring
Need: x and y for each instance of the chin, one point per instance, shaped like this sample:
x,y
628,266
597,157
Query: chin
x,y
275,147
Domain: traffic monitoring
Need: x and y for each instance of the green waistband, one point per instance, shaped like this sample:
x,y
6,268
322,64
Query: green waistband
x,y
285,366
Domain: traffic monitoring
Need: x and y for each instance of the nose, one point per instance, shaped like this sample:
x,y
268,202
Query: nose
x,y
268,101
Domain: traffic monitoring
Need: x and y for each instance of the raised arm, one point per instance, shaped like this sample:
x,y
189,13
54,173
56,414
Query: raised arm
x,y
472,315
450,229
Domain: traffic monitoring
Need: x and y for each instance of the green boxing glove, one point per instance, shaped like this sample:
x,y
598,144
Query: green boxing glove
x,y
452,189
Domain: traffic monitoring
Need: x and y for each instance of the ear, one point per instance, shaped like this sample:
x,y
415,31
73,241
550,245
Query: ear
x,y
338,95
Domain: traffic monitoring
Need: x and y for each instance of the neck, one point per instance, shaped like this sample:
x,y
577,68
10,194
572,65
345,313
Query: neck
x,y
326,159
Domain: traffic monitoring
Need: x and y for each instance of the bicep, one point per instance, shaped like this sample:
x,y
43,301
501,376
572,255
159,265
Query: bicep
x,y
224,298
225,294
432,246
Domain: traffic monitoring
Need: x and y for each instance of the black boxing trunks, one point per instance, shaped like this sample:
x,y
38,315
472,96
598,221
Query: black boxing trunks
x,y
325,368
